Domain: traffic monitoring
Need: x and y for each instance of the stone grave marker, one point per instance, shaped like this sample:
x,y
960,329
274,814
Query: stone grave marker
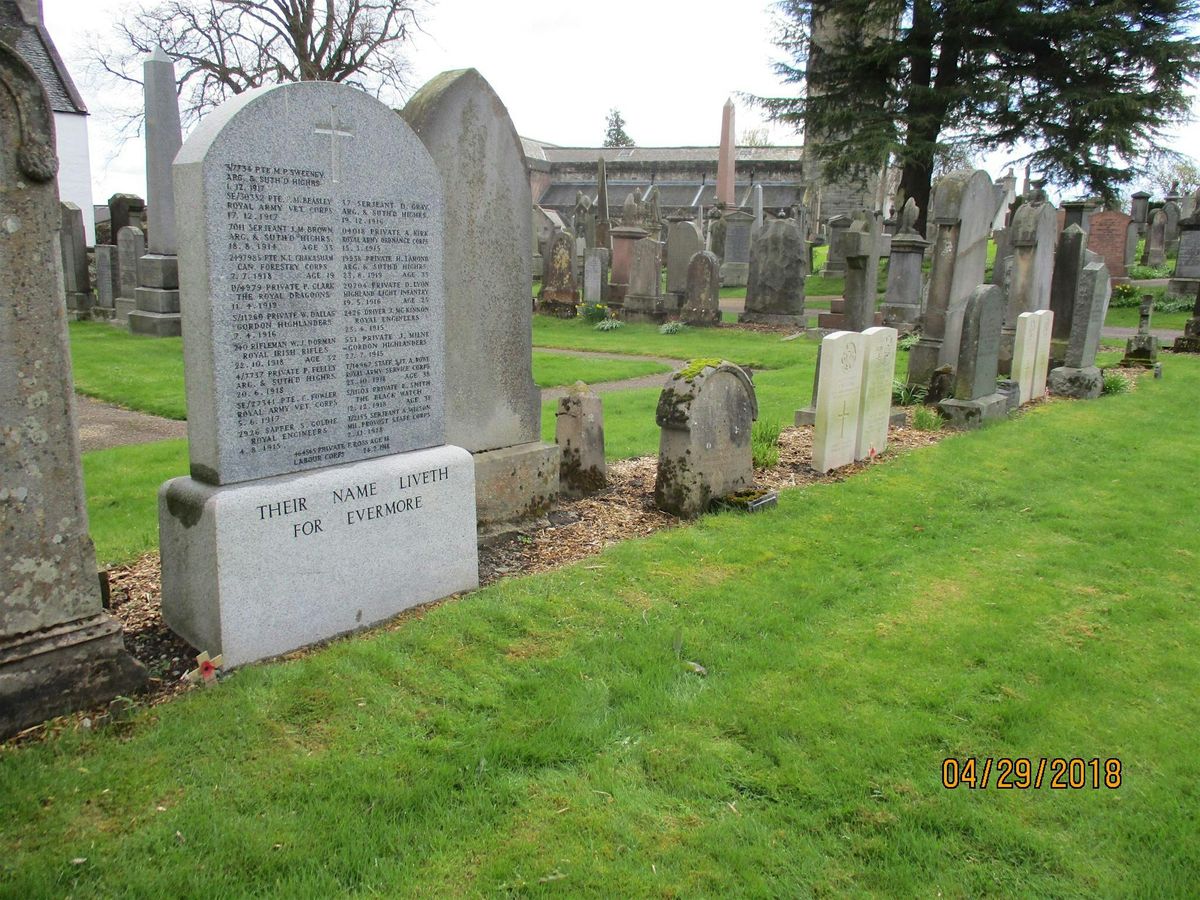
x,y
1140,209
579,434
1141,350
706,411
1171,232
683,242
838,400
322,495
902,302
1032,238
125,210
875,404
1069,260
107,281
735,264
1024,359
1189,342
493,408
1078,376
1132,236
703,304
59,650
962,215
73,246
1041,360
860,248
975,399
593,277
623,238
1186,278
559,295
1109,237
131,246
835,262
1155,252
778,268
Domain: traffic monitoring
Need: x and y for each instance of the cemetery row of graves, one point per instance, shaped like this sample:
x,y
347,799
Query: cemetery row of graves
x,y
360,415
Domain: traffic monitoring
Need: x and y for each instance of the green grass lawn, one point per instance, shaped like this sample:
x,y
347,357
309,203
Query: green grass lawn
x,y
554,369
1128,316
1007,593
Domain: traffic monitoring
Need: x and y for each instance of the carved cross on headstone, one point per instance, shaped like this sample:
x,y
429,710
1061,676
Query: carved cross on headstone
x,y
843,416
334,132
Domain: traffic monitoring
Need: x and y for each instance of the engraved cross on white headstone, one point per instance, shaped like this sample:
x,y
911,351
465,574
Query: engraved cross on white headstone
x,y
334,132
843,416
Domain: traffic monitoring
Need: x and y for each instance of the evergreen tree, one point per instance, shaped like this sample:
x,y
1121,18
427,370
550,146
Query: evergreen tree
x,y
1089,85
615,135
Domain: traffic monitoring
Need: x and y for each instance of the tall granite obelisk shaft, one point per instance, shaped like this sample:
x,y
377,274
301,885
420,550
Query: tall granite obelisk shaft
x,y
725,159
157,310
59,651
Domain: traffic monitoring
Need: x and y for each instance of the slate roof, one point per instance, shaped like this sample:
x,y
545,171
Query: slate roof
x,y
586,155
33,44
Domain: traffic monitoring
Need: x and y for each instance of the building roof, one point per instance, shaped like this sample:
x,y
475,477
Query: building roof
x,y
586,155
33,44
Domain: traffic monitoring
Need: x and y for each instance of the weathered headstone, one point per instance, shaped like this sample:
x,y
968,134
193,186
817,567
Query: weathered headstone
x,y
962,213
1155,252
623,238
493,408
777,271
835,262
559,296
1140,209
1171,233
322,495
706,412
683,242
73,247
975,398
1190,341
131,246
593,277
59,651
1032,237
1069,260
1078,376
107,281
157,310
860,249
875,405
579,433
1109,237
1186,278
716,234
125,210
902,302
1078,212
703,304
1024,358
735,264
838,400
1142,348
644,299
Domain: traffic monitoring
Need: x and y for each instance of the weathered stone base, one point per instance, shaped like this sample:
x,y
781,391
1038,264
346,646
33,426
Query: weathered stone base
x,y
157,300
156,324
514,482
156,270
638,308
1141,350
1183,287
79,305
1078,384
1187,344
61,669
808,416
923,361
556,309
256,569
1012,393
967,414
735,274
903,318
757,318
700,318
124,306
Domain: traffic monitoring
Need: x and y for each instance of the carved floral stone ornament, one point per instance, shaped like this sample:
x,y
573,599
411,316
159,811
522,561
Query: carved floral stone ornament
x,y
35,152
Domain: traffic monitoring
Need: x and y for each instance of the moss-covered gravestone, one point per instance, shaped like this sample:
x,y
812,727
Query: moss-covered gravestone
x,y
579,433
706,411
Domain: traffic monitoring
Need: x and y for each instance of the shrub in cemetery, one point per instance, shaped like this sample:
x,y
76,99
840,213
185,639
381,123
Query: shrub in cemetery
x,y
926,418
764,438
609,325
904,394
671,328
593,312
1116,383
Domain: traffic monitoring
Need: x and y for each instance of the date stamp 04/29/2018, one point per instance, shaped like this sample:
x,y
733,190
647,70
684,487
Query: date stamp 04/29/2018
x,y
1023,773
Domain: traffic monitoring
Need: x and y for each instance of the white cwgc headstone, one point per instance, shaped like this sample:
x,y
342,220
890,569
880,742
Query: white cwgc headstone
x,y
1041,363
839,394
322,496
1025,346
875,406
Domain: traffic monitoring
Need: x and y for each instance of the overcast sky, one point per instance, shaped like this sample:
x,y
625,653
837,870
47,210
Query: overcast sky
x,y
668,65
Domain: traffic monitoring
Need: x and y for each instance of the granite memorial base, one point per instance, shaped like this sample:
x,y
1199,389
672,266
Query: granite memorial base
x,y
1078,384
258,568
514,482
63,668
755,318
966,414
735,274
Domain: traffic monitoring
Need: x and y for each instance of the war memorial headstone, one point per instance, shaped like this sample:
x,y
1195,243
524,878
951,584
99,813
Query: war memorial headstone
x,y
706,412
838,400
961,216
777,272
493,408
157,293
975,399
59,650
1077,376
322,495
703,303
875,405
579,434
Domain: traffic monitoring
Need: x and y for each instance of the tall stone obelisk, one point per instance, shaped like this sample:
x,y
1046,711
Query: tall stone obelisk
x,y
157,310
725,160
59,650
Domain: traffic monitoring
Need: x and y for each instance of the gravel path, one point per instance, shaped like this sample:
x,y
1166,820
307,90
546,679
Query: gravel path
x,y
102,426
